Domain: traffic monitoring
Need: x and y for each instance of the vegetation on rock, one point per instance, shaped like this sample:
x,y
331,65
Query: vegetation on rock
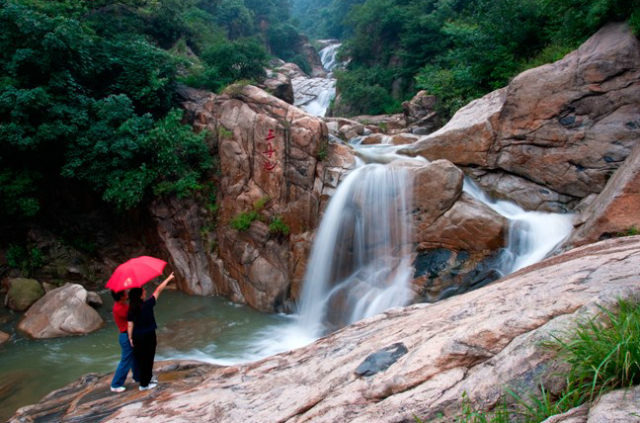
x,y
603,354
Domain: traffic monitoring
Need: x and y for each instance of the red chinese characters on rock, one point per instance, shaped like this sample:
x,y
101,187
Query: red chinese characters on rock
x,y
269,163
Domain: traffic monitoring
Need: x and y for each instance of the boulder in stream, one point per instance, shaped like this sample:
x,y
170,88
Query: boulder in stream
x,y
61,312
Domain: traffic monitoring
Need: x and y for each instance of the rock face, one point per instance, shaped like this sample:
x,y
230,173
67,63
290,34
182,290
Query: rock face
x,y
61,312
478,343
23,293
563,127
621,406
420,115
269,171
279,84
615,209
457,237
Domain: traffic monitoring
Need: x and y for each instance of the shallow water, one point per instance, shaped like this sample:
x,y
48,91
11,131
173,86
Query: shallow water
x,y
205,328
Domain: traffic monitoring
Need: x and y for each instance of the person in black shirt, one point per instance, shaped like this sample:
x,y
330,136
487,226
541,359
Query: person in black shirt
x,y
142,330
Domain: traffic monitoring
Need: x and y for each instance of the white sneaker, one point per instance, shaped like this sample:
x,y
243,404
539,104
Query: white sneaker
x,y
118,389
154,379
151,385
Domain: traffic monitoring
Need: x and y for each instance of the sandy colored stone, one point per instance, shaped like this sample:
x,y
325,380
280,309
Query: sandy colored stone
x,y
93,299
61,312
566,126
616,209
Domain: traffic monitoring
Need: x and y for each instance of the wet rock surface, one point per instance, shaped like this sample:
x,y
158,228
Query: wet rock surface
x,y
478,343
565,127
457,238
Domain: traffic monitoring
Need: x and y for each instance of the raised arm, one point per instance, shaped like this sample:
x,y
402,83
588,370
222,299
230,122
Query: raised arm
x,y
162,286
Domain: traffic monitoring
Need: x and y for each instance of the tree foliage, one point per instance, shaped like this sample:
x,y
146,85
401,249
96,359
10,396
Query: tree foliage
x,y
455,49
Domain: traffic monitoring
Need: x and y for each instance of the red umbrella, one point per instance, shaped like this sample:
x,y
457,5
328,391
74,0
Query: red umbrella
x,y
135,273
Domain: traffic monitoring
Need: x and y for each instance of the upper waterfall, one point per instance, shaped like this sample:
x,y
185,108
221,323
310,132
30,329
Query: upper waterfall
x,y
314,95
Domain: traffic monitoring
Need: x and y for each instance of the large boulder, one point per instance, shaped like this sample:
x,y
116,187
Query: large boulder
x,y
615,210
279,84
420,114
61,312
23,293
457,238
420,359
276,164
564,127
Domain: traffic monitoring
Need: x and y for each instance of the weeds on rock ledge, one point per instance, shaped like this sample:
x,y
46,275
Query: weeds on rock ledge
x,y
603,354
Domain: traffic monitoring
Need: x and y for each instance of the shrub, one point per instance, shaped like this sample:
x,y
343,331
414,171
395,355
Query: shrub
x,y
27,259
604,354
278,227
243,220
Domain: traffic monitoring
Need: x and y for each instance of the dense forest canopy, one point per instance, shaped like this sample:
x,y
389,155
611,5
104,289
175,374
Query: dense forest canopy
x,y
88,90
456,49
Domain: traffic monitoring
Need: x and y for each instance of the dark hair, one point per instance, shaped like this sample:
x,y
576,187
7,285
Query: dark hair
x,y
135,301
117,295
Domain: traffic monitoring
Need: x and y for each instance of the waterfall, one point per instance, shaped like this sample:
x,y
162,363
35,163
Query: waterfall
x,y
360,261
328,56
319,91
532,235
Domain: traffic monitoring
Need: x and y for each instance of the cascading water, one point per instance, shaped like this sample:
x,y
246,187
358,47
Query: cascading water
x,y
341,287
328,57
320,90
360,261
532,235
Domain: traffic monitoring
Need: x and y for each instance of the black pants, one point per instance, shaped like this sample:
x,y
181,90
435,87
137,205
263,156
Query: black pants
x,y
144,349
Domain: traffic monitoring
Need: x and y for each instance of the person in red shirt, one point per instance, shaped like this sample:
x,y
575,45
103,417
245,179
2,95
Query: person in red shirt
x,y
127,360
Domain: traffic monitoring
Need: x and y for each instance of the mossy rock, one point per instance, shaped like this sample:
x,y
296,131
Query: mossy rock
x,y
23,293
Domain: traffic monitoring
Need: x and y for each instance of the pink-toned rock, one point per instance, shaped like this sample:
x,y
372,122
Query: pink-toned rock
x,y
279,84
616,209
421,105
270,168
477,343
565,126
620,406
61,312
